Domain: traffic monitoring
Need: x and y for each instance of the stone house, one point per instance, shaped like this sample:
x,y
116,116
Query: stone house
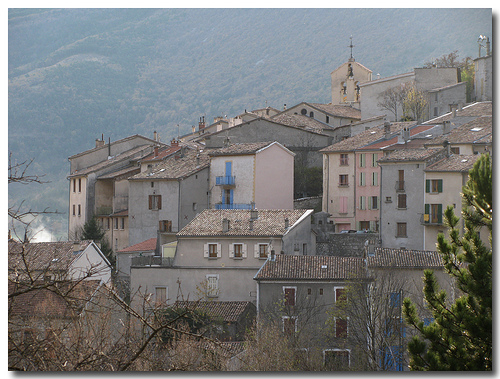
x,y
220,251
483,78
167,195
68,260
241,176
402,195
98,184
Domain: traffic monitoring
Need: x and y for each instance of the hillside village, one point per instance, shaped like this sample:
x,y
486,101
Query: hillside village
x,y
214,220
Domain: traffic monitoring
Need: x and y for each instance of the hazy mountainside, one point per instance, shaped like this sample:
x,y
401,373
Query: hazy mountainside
x,y
75,74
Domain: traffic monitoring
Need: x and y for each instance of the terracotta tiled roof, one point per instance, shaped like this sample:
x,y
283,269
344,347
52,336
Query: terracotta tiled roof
x,y
312,267
402,155
398,258
165,152
59,300
393,141
301,121
44,255
126,172
270,222
338,110
175,167
471,132
459,163
367,137
148,245
123,213
239,149
228,311
135,153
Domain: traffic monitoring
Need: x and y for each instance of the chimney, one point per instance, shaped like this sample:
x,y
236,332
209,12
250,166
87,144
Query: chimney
x,y
193,129
287,223
254,214
404,136
446,127
250,226
197,159
284,107
155,136
272,257
446,145
201,124
174,143
225,225
454,110
156,151
99,143
76,247
487,46
387,130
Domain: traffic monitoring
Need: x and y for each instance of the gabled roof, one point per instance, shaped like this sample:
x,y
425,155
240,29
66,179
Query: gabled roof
x,y
388,78
403,155
476,131
454,163
312,267
45,255
148,245
227,311
250,148
163,153
400,258
59,300
484,108
176,167
124,172
447,87
132,154
394,140
352,62
270,222
367,137
301,121
337,110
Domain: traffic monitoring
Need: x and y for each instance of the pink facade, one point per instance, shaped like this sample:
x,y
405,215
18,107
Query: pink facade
x,y
367,190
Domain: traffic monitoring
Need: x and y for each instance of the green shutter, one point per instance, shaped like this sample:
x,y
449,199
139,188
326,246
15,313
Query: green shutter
x,y
427,186
426,213
440,213
440,185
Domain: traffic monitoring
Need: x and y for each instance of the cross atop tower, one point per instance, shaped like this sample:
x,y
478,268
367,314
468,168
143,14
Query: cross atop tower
x,y
351,59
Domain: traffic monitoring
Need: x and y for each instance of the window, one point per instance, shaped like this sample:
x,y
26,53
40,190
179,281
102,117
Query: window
x,y
303,111
433,213
362,179
340,327
343,180
289,324
79,184
321,291
374,178
363,225
344,159
373,202
340,295
79,210
122,223
455,150
374,159
434,185
343,204
401,201
388,199
327,119
165,226
336,359
116,224
362,202
309,291
391,358
74,185
400,184
161,295
195,207
289,295
152,184
212,285
262,250
395,299
401,229
435,112
238,250
212,250
311,114
304,248
154,202
362,160
108,223
74,210
394,327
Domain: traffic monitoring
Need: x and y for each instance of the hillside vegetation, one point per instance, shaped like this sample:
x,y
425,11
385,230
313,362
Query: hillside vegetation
x,y
77,74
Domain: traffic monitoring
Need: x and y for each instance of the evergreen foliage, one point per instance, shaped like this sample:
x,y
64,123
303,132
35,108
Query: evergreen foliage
x,y
93,231
460,338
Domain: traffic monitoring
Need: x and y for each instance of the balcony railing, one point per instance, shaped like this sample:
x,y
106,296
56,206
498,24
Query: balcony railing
x,y
152,260
429,219
225,180
233,206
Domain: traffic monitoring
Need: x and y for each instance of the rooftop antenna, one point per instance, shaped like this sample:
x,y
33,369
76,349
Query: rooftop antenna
x,y
351,59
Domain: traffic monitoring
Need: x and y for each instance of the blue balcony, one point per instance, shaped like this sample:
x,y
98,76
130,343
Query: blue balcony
x,y
233,206
225,180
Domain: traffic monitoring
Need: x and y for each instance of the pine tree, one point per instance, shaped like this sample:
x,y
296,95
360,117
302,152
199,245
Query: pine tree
x,y
460,338
93,231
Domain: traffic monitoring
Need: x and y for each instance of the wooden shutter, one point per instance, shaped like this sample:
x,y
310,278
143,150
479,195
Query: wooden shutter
x,y
440,213
340,328
205,250
440,185
219,250
159,201
244,250
427,186
150,201
231,250
289,296
427,212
